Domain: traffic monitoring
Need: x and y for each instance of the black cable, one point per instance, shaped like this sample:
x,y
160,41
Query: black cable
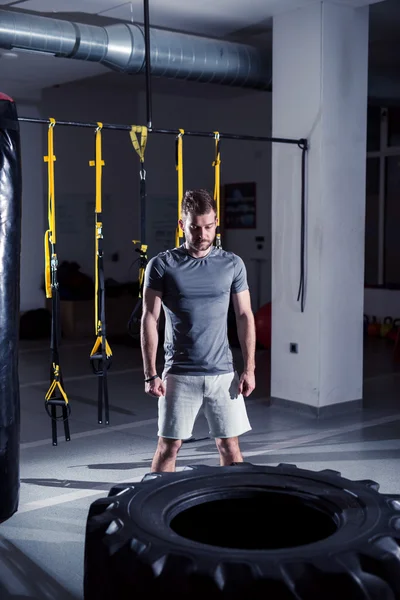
x,y
148,62
301,294
134,320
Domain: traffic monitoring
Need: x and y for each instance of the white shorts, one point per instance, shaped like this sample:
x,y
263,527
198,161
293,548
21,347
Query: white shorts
x,y
217,395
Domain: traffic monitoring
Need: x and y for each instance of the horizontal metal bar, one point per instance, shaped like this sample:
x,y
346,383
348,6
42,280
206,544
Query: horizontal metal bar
x,y
76,123
233,136
228,136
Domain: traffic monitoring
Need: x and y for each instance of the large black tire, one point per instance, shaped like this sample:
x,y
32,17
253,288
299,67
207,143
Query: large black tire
x,y
247,531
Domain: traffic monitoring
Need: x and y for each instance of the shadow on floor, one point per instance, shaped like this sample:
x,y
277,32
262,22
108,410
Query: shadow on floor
x,y
69,484
119,466
22,574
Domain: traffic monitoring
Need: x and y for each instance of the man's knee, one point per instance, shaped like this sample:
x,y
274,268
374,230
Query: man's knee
x,y
227,445
169,448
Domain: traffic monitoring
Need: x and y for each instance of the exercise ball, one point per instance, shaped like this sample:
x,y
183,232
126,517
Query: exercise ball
x,y
263,325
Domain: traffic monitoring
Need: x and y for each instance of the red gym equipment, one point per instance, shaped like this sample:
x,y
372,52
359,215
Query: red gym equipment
x,y
263,325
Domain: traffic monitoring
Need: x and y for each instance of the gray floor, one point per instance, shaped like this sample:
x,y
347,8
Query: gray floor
x,y
41,547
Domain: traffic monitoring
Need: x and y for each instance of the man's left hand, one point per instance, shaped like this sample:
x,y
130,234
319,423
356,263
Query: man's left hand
x,y
247,383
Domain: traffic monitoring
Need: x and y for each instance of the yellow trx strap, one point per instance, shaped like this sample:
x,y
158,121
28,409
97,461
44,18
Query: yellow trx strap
x,y
52,401
98,322
97,236
179,168
140,147
50,235
47,264
217,187
98,163
142,251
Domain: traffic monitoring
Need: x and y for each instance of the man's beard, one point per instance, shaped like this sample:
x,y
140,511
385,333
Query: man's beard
x,y
203,244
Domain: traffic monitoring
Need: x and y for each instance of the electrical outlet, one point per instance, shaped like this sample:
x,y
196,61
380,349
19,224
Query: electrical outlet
x,y
294,348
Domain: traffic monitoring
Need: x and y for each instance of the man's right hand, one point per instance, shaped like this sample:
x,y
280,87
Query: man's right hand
x,y
155,388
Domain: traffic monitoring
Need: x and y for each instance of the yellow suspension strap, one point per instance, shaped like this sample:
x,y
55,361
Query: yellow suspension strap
x,y
179,237
217,187
139,146
101,355
56,396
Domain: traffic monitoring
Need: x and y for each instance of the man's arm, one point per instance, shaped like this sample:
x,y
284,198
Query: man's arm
x,y
247,338
149,338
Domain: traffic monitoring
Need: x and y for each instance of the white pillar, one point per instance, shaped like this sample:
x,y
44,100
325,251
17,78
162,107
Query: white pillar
x,y
320,72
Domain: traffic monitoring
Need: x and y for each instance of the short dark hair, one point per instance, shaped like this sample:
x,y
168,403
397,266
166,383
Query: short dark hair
x,y
197,202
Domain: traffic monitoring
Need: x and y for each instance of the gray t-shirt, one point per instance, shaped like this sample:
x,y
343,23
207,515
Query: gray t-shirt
x,y
195,296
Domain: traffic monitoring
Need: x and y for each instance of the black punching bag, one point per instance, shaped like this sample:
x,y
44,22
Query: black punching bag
x,y
10,243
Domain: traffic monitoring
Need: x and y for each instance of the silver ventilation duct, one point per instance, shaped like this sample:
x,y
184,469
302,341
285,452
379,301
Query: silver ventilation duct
x,y
121,47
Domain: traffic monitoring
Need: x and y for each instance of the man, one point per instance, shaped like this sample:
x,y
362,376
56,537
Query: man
x,y
194,284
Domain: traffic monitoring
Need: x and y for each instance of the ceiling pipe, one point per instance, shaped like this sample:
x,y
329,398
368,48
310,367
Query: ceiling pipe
x,y
121,47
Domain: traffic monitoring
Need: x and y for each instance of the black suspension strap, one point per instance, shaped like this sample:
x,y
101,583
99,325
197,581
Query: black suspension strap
x,y
56,400
140,147
101,355
217,187
179,236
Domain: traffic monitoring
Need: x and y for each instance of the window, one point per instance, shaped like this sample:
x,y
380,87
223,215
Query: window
x,y
382,221
392,222
372,223
374,128
394,126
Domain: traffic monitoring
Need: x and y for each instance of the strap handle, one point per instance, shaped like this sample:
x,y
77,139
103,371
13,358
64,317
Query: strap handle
x,y
179,168
98,344
217,186
56,384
